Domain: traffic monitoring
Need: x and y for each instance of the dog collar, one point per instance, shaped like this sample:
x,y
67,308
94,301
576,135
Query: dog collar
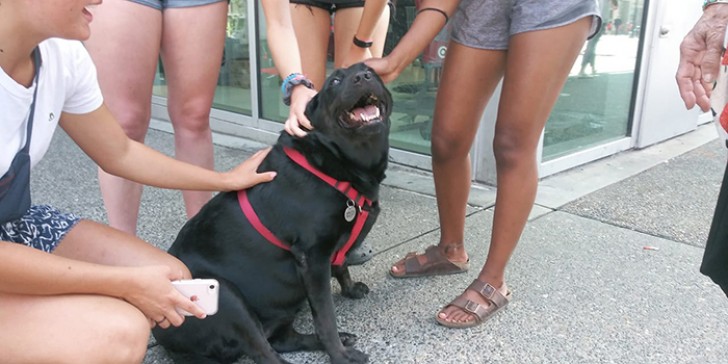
x,y
354,200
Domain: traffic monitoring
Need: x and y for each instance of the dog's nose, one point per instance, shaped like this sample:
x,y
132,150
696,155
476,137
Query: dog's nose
x,y
363,76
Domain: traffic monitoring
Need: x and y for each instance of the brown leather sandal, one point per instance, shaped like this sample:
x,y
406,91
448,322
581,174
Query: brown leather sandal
x,y
496,299
435,264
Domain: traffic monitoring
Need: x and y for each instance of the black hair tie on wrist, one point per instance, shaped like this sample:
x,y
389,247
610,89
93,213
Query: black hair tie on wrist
x,y
437,10
362,44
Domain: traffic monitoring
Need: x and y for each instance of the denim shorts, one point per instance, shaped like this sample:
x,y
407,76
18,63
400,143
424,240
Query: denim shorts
x,y
165,4
487,24
42,227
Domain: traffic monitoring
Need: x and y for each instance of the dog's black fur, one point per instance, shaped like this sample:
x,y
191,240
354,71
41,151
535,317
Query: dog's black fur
x,y
262,286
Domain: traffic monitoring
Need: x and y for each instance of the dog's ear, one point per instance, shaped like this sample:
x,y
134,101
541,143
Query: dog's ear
x,y
311,107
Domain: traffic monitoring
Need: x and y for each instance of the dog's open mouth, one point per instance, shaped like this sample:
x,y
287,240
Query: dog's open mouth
x,y
368,110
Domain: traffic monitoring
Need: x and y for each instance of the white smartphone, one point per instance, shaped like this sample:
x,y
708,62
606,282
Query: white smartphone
x,y
203,292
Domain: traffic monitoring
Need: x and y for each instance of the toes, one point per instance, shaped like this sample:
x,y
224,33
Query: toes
x,y
455,314
398,267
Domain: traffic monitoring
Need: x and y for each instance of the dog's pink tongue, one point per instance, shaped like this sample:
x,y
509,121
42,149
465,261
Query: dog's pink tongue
x,y
368,112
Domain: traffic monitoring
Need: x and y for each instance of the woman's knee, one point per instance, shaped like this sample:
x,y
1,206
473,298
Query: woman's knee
x,y
85,328
128,337
448,146
511,150
191,116
134,120
120,335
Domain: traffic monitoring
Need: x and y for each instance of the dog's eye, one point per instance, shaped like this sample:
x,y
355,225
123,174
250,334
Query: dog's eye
x,y
335,81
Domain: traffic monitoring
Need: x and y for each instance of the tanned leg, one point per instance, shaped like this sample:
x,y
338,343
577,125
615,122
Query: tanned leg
x,y
531,86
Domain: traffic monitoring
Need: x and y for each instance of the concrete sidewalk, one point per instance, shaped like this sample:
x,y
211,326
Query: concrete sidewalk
x,y
585,289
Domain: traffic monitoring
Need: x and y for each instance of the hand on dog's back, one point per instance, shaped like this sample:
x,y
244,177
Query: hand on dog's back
x,y
246,175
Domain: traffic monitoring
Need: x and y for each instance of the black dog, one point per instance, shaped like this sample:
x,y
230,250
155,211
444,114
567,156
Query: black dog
x,y
311,213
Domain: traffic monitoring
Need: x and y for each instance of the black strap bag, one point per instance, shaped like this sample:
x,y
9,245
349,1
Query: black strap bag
x,y
15,184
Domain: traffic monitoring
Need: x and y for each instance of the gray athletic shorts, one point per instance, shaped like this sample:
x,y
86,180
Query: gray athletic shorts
x,y
42,227
489,24
166,4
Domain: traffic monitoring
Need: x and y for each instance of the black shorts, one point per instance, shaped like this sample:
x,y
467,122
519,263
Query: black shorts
x,y
715,259
332,5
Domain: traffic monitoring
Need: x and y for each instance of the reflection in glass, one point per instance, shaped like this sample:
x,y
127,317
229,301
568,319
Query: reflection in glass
x,y
233,87
413,92
594,107
415,89
271,104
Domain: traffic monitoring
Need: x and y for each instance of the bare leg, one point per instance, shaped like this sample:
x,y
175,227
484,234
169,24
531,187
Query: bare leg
x,y
192,47
124,46
313,27
82,328
71,329
523,111
93,242
469,78
346,22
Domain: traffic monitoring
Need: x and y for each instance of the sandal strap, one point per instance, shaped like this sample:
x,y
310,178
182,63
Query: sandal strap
x,y
432,257
473,308
489,292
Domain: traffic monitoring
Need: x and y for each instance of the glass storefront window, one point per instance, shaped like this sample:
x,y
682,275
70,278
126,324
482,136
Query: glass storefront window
x,y
233,87
413,92
271,104
594,107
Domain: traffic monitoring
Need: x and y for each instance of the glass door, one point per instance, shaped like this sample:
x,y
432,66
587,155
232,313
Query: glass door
x,y
595,105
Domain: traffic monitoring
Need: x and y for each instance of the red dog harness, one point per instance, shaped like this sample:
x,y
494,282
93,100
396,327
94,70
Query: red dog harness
x,y
354,206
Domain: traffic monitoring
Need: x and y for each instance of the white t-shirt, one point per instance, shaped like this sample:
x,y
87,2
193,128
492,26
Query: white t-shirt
x,y
68,84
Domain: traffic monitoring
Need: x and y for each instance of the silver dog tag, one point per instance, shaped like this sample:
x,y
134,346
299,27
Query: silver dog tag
x,y
350,212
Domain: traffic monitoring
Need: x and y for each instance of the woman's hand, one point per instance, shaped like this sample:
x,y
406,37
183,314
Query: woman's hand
x,y
151,291
245,175
300,96
385,68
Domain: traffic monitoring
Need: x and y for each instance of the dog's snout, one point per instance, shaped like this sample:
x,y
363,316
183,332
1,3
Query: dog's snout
x,y
363,76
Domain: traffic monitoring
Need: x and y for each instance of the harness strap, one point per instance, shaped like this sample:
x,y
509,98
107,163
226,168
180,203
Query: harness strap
x,y
340,256
345,188
342,186
255,221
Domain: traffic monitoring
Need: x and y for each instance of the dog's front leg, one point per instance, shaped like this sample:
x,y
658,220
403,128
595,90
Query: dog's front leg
x,y
349,288
316,274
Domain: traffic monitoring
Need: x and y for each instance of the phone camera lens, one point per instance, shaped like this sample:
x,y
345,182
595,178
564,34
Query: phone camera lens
x,y
212,286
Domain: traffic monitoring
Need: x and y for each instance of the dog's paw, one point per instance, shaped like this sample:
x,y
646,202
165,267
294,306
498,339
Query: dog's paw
x,y
347,339
351,356
357,291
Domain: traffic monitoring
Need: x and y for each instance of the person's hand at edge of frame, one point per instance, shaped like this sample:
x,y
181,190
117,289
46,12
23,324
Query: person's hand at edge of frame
x,y
297,120
245,175
700,55
154,295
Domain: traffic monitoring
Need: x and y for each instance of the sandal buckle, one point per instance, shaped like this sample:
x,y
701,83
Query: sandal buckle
x,y
471,306
488,291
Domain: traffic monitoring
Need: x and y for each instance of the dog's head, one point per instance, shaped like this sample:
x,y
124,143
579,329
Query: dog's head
x,y
350,115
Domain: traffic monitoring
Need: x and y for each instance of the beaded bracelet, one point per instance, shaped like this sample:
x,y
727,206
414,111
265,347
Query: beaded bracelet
x,y
707,3
445,14
294,79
